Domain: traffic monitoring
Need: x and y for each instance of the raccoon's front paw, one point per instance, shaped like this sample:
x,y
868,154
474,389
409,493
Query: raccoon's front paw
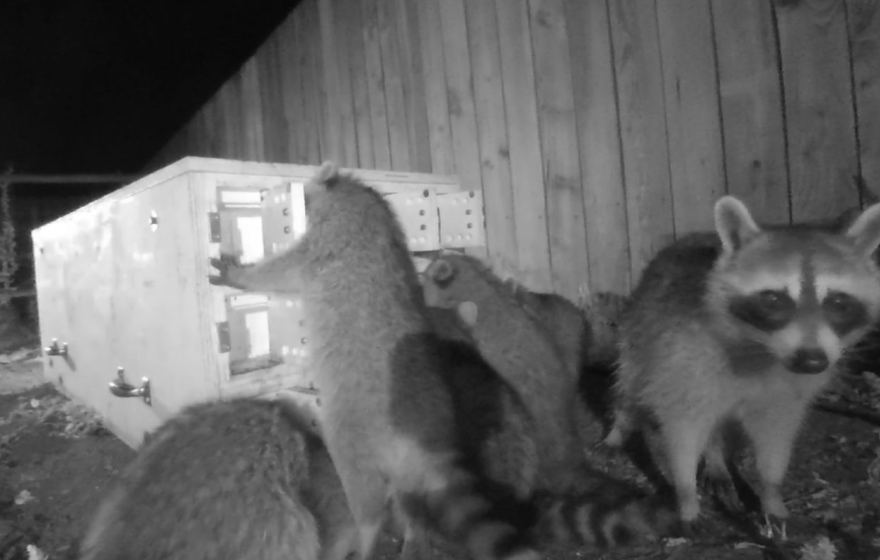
x,y
773,527
695,529
775,514
229,272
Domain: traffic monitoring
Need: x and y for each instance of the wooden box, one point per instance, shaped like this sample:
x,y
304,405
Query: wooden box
x,y
131,325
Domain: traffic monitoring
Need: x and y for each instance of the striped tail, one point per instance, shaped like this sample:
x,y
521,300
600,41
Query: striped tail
x,y
602,522
465,516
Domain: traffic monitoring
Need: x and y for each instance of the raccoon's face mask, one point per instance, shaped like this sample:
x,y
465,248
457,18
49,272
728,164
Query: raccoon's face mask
x,y
804,293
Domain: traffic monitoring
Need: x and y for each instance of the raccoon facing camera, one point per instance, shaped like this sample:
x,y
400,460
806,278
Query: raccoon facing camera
x,y
747,330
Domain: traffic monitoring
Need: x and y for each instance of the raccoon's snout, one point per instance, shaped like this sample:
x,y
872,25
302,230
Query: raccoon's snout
x,y
808,360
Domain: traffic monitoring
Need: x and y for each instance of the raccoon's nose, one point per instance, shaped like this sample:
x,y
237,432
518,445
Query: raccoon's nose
x,y
809,360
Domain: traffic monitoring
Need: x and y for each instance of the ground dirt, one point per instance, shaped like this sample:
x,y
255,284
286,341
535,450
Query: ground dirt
x,y
56,462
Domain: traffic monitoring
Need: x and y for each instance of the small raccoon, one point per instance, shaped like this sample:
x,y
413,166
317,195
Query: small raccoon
x,y
386,415
226,480
521,350
744,327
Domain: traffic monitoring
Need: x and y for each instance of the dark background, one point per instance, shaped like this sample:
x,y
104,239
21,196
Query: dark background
x,y
98,86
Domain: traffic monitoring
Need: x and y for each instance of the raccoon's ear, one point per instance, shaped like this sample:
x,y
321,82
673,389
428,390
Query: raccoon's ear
x,y
467,311
441,271
328,171
865,231
734,223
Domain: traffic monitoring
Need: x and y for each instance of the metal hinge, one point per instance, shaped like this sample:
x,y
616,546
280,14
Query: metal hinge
x,y
214,221
223,336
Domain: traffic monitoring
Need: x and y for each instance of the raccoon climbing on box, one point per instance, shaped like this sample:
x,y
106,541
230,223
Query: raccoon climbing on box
x,y
226,480
386,415
745,327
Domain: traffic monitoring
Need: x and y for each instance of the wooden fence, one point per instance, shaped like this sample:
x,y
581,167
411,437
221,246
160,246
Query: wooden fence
x,y
598,130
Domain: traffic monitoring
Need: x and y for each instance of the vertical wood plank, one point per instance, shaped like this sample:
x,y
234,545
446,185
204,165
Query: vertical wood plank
x,y
818,104
409,47
518,86
395,104
230,119
462,114
352,26
864,31
558,134
592,73
339,109
252,111
636,47
376,86
693,125
271,100
292,67
751,107
434,68
492,133
312,82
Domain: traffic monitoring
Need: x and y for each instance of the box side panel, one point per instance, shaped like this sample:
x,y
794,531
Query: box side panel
x,y
158,320
77,305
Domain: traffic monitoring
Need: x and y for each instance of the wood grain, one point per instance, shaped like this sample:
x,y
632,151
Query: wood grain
x,y
751,107
864,32
819,111
518,86
492,133
559,147
395,102
693,123
376,86
434,74
643,129
592,74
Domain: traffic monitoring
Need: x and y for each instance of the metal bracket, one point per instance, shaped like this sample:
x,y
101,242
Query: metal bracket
x,y
224,342
124,390
55,350
462,222
417,212
214,221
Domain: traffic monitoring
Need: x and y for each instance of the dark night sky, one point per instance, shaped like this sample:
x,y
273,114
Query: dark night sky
x,y
97,86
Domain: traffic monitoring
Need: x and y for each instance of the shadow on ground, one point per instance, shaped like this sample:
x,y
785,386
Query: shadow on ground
x,y
56,465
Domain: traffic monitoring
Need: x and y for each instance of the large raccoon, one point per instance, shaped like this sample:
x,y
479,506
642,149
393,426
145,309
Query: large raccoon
x,y
744,327
387,417
226,480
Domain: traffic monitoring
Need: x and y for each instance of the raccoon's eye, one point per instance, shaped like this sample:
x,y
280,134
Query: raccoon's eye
x,y
844,312
768,310
774,300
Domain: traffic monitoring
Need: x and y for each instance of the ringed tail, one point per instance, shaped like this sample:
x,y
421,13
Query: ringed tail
x,y
600,522
466,517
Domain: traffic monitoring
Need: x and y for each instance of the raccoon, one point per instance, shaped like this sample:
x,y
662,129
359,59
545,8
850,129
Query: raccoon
x,y
386,415
564,321
576,503
521,350
499,433
237,479
744,327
